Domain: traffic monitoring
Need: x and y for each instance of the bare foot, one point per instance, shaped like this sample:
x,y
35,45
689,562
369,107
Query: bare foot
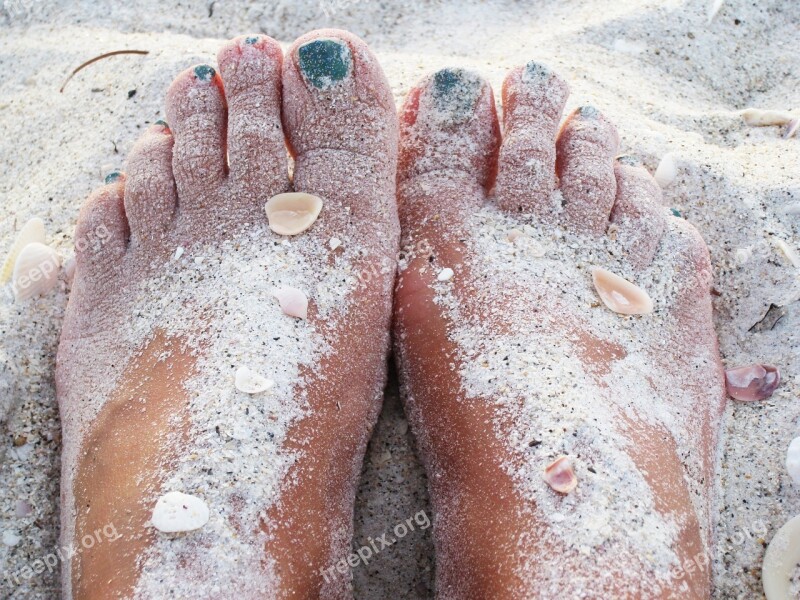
x,y
173,294
510,360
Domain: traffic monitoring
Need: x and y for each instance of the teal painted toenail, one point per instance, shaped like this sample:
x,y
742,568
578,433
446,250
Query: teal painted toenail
x,y
251,40
162,123
324,62
588,112
676,213
535,72
455,93
631,161
113,176
204,72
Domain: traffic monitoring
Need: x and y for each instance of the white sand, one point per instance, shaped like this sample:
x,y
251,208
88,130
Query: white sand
x,y
672,82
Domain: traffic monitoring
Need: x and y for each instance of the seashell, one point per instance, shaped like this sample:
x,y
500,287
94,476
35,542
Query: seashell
x,y
791,128
780,561
667,170
752,382
713,9
560,476
250,382
293,212
765,118
178,253
619,294
32,231
293,301
793,460
22,509
334,243
176,512
787,251
10,538
35,271
514,235
445,274
69,269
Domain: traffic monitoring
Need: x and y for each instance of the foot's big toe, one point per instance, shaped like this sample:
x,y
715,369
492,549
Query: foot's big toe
x,y
341,125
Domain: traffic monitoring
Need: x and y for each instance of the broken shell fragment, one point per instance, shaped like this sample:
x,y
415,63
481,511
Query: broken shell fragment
x,y
793,460
667,171
32,231
780,561
176,512
250,382
560,476
619,294
445,274
791,128
293,301
293,212
765,118
752,382
35,271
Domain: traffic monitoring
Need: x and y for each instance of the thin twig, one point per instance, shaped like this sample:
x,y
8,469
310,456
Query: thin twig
x,y
96,58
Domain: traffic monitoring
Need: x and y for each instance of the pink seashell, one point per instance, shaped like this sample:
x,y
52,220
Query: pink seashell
x,y
293,302
560,476
752,382
22,509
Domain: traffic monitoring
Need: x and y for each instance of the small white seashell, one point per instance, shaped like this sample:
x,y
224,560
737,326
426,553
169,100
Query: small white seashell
x,y
293,301
10,538
667,170
32,231
250,382
560,476
334,243
619,294
713,9
445,274
780,561
793,460
765,118
293,212
514,235
69,269
35,271
178,252
791,128
787,251
176,512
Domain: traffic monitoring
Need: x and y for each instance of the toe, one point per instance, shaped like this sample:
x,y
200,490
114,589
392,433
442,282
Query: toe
x,y
341,125
101,235
533,100
150,194
448,127
585,151
638,218
251,72
196,113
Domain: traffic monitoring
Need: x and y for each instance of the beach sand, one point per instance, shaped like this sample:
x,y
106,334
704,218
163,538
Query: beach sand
x,y
672,81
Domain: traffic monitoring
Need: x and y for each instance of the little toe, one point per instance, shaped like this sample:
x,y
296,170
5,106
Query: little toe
x,y
448,127
150,194
683,249
197,116
585,153
533,100
638,219
341,126
101,236
251,71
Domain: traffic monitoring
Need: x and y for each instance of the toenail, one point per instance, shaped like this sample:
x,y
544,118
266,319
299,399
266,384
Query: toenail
x,y
455,92
162,123
588,112
113,176
204,72
629,160
535,72
324,62
676,213
251,40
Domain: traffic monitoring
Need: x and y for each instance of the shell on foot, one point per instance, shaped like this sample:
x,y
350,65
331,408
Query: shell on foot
x,y
292,212
177,512
619,294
